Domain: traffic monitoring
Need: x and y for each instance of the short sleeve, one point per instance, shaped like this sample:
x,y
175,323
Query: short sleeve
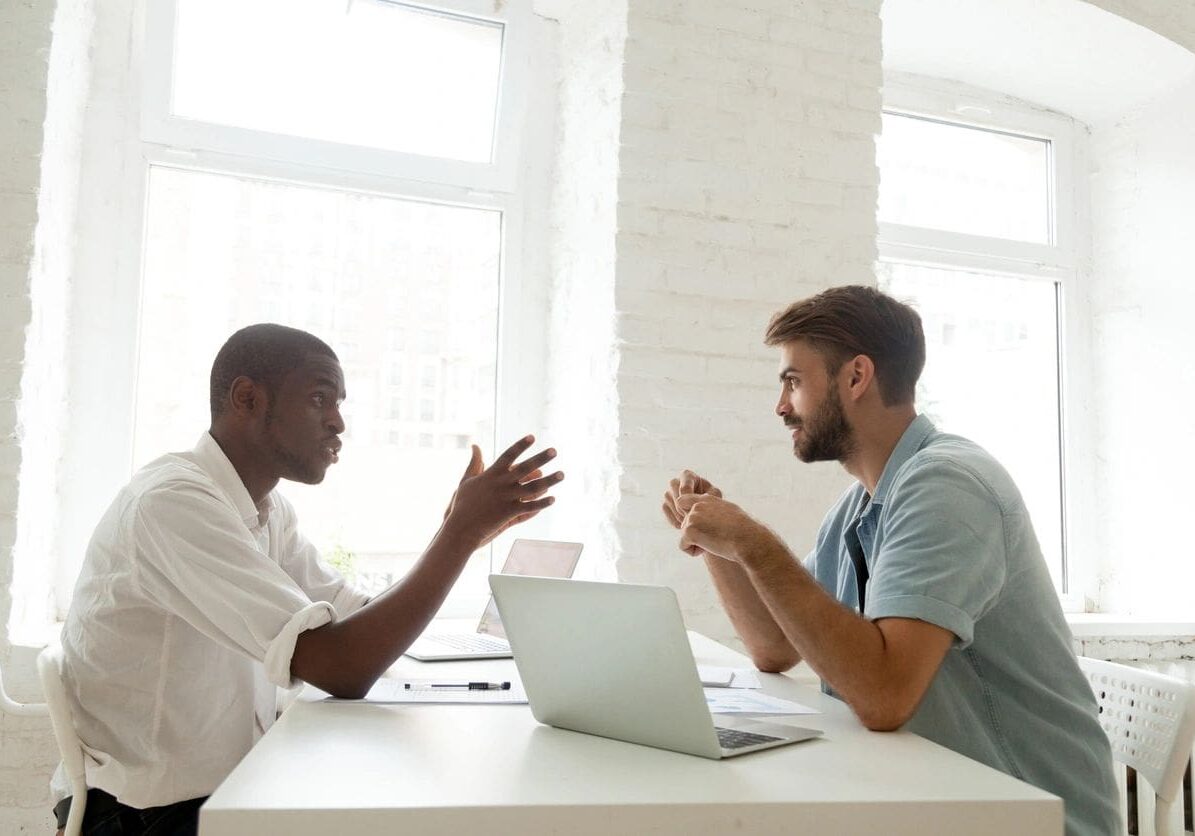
x,y
942,557
196,559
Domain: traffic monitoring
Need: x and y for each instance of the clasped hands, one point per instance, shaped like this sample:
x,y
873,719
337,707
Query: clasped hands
x,y
710,524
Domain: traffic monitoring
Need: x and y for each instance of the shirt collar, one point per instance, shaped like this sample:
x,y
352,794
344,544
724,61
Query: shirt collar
x,y
910,442
215,463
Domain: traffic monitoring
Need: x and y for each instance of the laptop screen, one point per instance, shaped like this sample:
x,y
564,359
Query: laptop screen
x,y
543,558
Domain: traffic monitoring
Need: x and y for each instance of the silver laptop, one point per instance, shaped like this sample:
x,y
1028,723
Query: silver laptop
x,y
549,558
613,660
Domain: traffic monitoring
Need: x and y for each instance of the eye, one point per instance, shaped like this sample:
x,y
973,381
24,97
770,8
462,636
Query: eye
x,y
318,398
792,384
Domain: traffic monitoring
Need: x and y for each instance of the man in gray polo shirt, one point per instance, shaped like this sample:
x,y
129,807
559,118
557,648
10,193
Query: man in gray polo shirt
x,y
925,603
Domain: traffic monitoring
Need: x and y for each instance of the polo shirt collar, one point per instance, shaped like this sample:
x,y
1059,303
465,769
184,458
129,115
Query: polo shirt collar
x,y
910,442
215,464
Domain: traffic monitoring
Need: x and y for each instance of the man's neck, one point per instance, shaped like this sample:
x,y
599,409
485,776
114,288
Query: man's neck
x,y
256,475
875,439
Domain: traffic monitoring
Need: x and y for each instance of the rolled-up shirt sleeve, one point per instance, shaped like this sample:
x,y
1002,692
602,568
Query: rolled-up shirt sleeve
x,y
943,558
196,558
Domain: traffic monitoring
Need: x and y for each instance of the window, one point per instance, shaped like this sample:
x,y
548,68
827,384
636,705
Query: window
x,y
406,90
210,236
370,197
975,232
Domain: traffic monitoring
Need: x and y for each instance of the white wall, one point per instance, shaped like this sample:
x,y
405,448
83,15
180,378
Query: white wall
x,y
744,178
1143,214
747,180
582,415
40,96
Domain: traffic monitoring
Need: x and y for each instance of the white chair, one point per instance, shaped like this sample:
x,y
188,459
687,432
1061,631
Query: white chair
x,y
21,709
49,668
1150,721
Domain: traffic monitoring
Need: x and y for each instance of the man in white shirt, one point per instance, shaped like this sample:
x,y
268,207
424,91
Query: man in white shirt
x,y
198,595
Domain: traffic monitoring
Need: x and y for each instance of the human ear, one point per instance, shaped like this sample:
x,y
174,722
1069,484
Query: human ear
x,y
243,395
862,373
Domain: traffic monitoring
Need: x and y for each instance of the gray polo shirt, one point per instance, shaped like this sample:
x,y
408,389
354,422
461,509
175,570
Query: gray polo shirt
x,y
946,539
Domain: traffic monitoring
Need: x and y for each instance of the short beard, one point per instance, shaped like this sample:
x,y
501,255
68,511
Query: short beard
x,y
292,467
826,436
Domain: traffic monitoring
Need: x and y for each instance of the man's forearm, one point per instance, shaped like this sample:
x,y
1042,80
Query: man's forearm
x,y
847,650
346,657
770,649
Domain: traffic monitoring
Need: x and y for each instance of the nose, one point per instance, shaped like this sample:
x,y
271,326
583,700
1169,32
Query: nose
x,y
336,421
782,406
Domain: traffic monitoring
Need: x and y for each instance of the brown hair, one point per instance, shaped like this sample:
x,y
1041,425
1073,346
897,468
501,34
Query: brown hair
x,y
844,322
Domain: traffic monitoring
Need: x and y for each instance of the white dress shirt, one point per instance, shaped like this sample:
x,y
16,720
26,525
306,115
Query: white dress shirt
x,y
184,620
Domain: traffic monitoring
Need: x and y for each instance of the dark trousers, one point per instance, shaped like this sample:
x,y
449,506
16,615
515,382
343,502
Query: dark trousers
x,y
105,816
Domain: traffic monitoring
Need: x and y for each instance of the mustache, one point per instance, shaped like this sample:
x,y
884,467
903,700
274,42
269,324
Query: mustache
x,y
793,423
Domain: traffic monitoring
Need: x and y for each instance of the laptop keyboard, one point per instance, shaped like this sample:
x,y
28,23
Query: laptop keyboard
x,y
735,739
476,643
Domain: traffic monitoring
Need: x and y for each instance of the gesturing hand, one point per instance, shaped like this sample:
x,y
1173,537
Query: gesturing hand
x,y
490,500
688,483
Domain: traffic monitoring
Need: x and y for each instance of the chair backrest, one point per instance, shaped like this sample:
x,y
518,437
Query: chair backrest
x,y
1149,719
50,669
21,709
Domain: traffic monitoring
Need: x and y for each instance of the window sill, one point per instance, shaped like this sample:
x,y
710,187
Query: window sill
x,y
1090,625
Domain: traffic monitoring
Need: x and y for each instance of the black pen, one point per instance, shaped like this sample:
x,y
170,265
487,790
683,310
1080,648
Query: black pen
x,y
466,686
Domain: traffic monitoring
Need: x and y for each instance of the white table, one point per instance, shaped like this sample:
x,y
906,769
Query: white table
x,y
331,768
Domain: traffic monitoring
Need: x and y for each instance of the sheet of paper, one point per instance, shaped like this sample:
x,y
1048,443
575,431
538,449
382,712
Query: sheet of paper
x,y
745,678
715,676
390,690
743,701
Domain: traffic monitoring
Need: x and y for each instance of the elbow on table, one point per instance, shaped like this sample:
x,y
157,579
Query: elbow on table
x,y
339,685
884,716
771,662
345,692
882,723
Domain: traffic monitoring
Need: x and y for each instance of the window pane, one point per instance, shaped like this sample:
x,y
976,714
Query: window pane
x,y
991,374
367,72
405,292
962,179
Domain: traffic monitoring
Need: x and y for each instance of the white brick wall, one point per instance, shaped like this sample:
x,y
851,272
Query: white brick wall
x,y
747,179
41,96
24,53
581,415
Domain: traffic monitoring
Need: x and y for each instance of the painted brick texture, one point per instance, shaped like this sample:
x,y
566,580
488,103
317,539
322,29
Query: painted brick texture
x,y
747,180
27,201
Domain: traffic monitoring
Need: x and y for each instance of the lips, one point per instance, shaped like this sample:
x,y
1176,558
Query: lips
x,y
332,450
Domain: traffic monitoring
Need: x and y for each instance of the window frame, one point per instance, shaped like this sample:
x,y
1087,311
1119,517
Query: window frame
x,y
1061,263
160,127
102,354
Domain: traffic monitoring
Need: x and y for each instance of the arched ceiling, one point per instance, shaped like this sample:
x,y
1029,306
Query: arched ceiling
x,y
1065,55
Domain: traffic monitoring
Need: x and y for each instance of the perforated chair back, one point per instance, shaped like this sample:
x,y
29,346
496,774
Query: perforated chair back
x,y
50,669
1150,721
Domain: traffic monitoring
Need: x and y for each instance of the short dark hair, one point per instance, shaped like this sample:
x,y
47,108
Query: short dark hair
x,y
844,322
264,353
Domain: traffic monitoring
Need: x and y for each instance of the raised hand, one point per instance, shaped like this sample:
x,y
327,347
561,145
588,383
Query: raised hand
x,y
490,500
